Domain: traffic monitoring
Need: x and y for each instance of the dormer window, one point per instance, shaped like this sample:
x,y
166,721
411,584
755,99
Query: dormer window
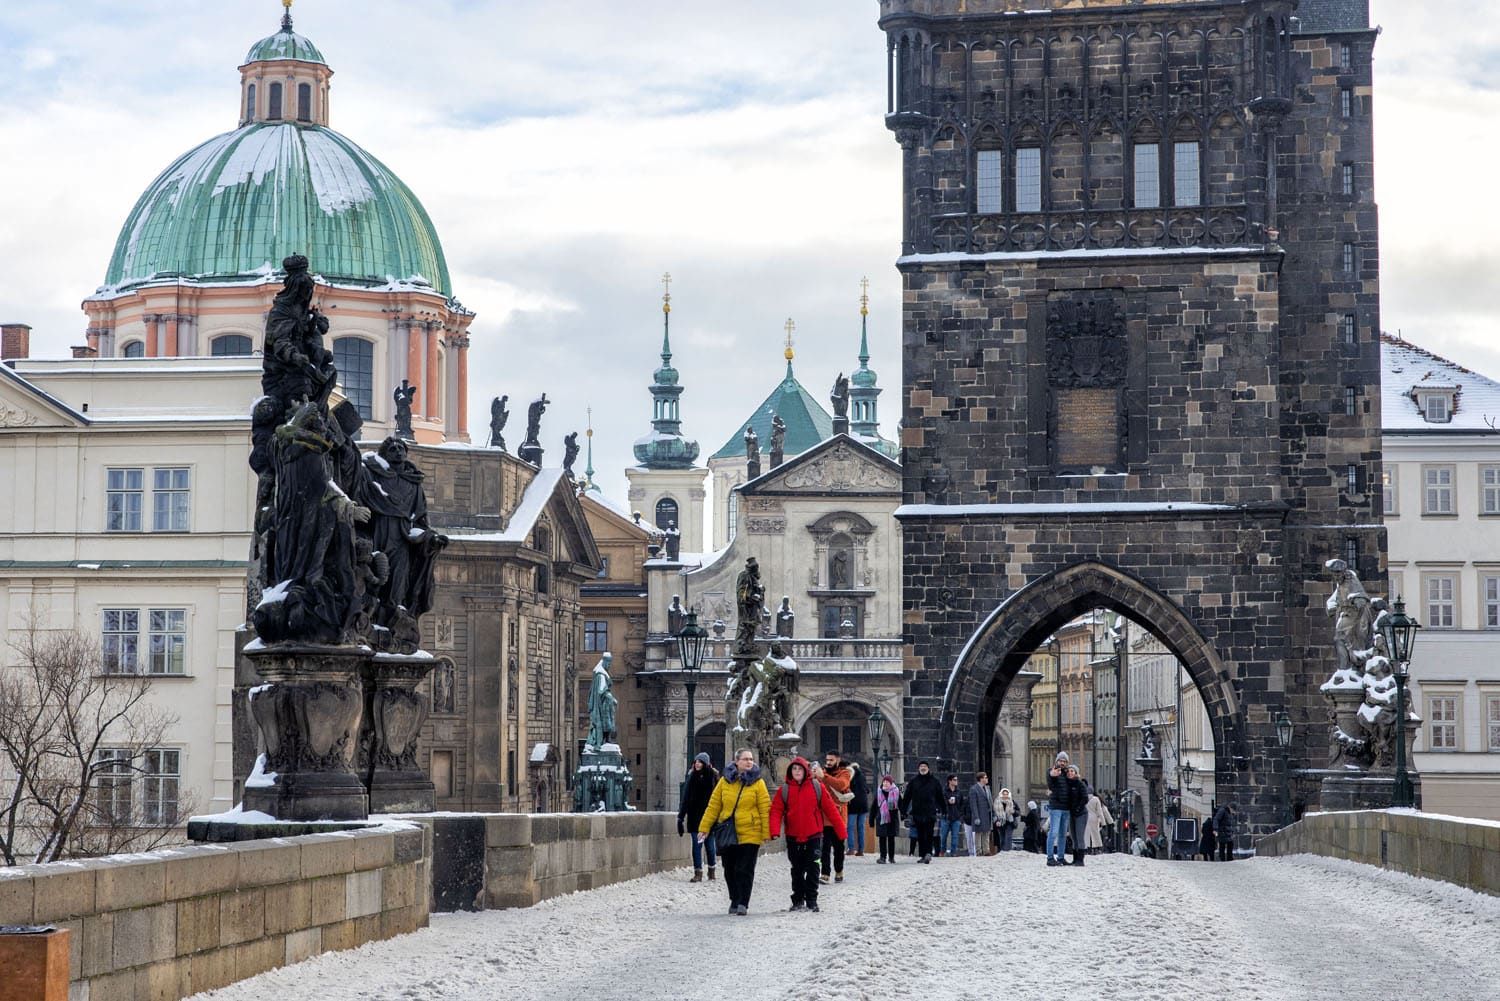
x,y
1437,408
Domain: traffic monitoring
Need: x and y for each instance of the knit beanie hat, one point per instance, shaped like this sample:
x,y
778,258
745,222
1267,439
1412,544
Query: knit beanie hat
x,y
703,757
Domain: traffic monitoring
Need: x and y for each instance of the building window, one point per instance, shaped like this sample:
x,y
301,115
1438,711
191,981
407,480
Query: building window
x,y
1346,103
354,357
595,635
841,619
1346,56
1442,715
124,497
1351,551
442,774
250,102
112,799
1388,489
1185,173
1352,483
1435,409
304,102
1492,602
732,522
161,776
1029,179
1349,329
1442,604
168,641
120,640
273,104
987,181
1347,179
1147,175
1492,721
1351,401
1489,489
1349,259
171,499
231,346
666,513
603,568
1437,492
133,349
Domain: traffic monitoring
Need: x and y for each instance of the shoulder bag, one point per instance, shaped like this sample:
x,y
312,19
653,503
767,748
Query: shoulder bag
x,y
725,834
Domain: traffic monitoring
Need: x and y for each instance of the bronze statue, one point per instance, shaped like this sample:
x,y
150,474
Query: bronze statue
x,y
602,703
750,598
498,416
392,490
403,396
778,440
840,396
752,453
296,366
570,452
531,448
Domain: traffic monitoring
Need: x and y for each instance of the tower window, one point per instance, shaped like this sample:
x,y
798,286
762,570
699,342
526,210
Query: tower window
x,y
1185,173
1147,175
1348,258
354,357
1349,329
250,103
666,513
987,181
1351,400
1346,56
304,102
1346,103
1351,478
1029,179
273,104
1351,551
1347,179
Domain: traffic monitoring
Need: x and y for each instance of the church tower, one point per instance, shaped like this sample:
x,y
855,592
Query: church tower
x,y
667,485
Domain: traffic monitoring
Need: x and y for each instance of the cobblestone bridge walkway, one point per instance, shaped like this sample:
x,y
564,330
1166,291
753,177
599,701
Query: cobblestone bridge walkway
x,y
1004,927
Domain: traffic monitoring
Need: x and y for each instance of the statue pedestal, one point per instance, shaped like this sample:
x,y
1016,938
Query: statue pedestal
x,y
393,718
530,452
308,711
1353,789
602,777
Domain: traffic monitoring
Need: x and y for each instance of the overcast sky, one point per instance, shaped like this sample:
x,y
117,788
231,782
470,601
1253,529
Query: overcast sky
x,y
570,153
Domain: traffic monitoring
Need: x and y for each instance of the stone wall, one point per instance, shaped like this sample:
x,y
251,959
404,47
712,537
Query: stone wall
x,y
1452,849
173,922
487,861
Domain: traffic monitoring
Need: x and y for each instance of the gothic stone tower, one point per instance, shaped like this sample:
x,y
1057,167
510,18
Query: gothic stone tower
x,y
1141,350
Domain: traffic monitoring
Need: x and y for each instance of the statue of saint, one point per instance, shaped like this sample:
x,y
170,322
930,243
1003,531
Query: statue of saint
x,y
786,619
534,419
570,452
778,440
602,703
675,613
752,453
750,597
498,416
403,396
393,492
1148,740
1349,607
840,396
296,366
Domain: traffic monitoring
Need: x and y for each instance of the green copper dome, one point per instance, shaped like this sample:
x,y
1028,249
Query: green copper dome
x,y
285,44
233,207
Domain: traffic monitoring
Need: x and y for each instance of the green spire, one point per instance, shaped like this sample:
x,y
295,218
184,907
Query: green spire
x,y
864,420
664,447
588,468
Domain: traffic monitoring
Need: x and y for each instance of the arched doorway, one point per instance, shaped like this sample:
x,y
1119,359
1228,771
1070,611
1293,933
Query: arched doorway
x,y
1000,648
710,740
842,726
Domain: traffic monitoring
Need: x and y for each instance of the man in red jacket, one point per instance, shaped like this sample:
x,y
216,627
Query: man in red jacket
x,y
805,807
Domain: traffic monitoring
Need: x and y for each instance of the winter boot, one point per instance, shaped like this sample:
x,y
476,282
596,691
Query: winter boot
x,y
711,876
697,876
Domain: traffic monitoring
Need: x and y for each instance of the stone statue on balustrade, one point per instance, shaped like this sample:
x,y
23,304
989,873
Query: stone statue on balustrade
x,y
786,619
498,416
778,440
839,397
531,449
750,599
752,454
399,529
403,396
570,453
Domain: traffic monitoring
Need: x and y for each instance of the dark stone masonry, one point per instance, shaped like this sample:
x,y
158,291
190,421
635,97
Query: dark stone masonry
x,y
1140,346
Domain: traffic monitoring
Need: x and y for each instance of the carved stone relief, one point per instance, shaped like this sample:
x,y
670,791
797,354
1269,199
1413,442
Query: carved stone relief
x,y
841,468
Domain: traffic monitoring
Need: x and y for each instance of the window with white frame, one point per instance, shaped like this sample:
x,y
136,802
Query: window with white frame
x,y
112,785
1185,173
161,777
1437,490
1029,179
1441,591
120,640
1442,722
1491,601
1492,722
1388,489
171,499
1435,408
1147,175
124,498
168,641
987,181
1489,489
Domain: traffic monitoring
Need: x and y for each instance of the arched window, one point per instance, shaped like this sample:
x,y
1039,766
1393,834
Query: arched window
x,y
250,103
273,106
231,346
354,357
304,102
666,513
135,349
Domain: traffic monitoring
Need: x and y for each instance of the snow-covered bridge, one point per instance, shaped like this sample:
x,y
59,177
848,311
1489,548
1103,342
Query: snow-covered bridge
x,y
1003,927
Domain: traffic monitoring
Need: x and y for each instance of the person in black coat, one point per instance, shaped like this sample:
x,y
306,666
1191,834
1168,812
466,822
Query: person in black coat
x,y
858,809
1059,810
1206,841
922,801
1078,810
1031,828
1224,819
696,792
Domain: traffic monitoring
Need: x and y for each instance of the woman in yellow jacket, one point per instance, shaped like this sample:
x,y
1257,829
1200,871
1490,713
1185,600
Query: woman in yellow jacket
x,y
740,794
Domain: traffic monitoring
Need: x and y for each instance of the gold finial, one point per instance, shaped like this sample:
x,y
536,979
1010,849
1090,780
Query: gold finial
x,y
790,326
864,296
666,292
590,432
287,4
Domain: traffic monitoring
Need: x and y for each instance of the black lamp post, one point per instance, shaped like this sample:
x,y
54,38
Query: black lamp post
x,y
1284,734
1400,633
690,643
876,723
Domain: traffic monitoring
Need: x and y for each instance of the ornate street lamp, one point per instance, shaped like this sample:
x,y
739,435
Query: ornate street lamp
x,y
1400,633
1284,734
876,723
690,643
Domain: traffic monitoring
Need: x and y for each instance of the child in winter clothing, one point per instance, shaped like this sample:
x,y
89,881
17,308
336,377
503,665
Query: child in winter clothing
x,y
805,807
887,810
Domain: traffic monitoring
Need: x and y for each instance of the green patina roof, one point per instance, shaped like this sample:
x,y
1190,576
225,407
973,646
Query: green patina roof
x,y
234,206
807,423
285,44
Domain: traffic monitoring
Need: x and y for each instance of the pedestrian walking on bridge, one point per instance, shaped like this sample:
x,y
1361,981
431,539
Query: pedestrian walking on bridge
x,y
981,815
921,802
742,800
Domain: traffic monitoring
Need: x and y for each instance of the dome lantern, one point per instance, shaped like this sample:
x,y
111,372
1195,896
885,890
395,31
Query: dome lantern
x,y
284,79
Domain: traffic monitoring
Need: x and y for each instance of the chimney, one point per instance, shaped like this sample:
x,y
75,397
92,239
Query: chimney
x,y
15,341
85,351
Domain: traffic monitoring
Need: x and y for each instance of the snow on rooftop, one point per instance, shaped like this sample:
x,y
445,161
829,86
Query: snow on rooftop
x,y
1406,370
533,502
953,510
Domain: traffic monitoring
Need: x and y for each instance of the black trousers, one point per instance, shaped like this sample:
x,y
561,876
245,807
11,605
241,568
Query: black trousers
x,y
1226,850
924,835
888,847
804,859
834,844
739,871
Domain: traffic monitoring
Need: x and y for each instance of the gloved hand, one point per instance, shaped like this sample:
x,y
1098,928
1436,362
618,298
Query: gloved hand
x,y
681,830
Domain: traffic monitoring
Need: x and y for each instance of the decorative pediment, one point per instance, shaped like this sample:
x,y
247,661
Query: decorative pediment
x,y
838,465
25,405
